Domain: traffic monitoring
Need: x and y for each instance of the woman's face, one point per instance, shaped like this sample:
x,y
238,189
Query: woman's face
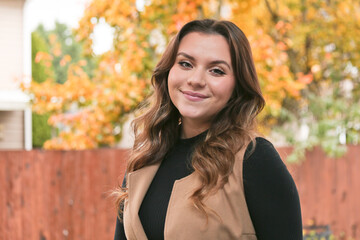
x,y
202,80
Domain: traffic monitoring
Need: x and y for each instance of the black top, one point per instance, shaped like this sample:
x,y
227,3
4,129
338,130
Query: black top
x,y
270,192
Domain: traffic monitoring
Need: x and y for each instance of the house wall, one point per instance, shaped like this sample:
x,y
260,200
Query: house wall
x,y
13,102
11,130
11,43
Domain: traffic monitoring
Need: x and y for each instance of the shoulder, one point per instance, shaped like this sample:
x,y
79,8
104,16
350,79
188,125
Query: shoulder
x,y
262,146
262,155
264,165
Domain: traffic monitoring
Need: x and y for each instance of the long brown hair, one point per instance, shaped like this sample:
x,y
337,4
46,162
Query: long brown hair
x,y
233,127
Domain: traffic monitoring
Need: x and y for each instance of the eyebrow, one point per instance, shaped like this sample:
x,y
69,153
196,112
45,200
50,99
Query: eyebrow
x,y
213,62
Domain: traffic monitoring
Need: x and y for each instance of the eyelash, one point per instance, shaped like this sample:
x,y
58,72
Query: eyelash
x,y
185,64
216,71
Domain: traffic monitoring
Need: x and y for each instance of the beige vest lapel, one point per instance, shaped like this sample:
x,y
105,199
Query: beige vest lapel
x,y
138,183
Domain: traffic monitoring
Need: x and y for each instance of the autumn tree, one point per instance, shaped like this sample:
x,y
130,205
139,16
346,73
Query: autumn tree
x,y
52,52
59,42
41,131
323,47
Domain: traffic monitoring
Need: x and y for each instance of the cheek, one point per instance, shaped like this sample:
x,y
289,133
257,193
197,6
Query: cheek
x,y
231,88
172,79
171,82
224,90
230,93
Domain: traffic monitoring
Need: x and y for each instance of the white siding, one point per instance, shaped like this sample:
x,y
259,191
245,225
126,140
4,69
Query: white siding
x,y
11,43
11,129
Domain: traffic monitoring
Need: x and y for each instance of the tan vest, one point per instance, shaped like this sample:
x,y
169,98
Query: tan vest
x,y
183,221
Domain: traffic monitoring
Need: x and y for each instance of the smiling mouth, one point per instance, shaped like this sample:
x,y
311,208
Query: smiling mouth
x,y
194,96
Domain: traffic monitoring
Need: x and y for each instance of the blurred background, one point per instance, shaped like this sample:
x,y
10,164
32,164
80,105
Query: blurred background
x,y
73,72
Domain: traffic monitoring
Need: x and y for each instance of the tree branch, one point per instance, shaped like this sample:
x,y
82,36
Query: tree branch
x,y
274,16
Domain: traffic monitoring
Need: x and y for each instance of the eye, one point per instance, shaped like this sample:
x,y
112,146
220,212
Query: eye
x,y
217,71
185,64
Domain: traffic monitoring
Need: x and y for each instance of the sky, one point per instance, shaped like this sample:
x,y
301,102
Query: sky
x,y
68,12
48,11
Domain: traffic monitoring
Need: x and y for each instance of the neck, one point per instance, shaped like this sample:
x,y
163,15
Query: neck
x,y
191,129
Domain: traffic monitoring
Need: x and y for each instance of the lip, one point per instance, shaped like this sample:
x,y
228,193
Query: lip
x,y
194,96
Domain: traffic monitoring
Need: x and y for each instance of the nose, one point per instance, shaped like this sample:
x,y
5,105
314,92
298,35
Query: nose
x,y
197,78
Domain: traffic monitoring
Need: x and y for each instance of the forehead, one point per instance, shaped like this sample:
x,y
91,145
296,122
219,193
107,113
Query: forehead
x,y
199,44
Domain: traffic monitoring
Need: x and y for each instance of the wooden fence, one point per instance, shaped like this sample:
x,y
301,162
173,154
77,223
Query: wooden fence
x,y
53,195
329,190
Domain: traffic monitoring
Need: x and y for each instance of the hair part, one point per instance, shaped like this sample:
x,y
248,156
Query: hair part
x,y
231,130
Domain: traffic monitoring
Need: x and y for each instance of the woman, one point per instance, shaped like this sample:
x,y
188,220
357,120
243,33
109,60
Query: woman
x,y
197,169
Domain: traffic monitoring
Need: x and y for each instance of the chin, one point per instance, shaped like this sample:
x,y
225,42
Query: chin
x,y
189,115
